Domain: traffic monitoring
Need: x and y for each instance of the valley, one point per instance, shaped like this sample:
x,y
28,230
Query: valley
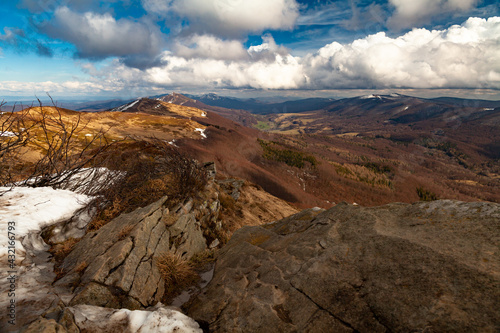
x,y
169,185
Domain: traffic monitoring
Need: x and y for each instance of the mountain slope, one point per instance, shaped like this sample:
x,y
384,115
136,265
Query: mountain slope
x,y
259,107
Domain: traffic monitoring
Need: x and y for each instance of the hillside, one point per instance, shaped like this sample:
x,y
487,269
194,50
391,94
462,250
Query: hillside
x,y
370,150
165,203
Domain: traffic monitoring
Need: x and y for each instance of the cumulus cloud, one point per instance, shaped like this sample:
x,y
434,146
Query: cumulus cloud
x,y
97,36
463,56
208,46
409,13
229,17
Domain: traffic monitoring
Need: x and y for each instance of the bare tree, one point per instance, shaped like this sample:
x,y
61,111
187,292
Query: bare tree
x,y
68,158
15,133
65,155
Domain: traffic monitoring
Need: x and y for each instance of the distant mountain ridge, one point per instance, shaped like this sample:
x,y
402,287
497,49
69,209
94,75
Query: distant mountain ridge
x,y
259,107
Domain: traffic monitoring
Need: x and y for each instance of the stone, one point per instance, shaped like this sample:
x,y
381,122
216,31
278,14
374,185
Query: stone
x,y
428,266
116,266
43,325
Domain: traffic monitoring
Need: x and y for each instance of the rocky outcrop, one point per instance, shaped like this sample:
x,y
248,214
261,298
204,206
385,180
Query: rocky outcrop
x,y
116,266
424,267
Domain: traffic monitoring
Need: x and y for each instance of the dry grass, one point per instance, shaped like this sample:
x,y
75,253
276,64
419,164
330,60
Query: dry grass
x,y
177,273
125,232
82,267
201,259
61,250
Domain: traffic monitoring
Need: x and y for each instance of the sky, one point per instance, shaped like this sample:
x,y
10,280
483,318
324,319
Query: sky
x,y
247,48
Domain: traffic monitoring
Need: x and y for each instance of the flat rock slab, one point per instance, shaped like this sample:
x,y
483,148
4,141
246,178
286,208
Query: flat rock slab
x,y
423,267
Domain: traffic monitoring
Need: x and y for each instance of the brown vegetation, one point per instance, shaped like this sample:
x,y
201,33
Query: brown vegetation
x,y
146,171
177,272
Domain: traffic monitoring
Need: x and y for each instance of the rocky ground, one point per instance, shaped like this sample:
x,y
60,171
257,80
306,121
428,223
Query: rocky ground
x,y
424,267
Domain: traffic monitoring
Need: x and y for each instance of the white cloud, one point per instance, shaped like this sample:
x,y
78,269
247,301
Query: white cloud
x,y
208,46
463,56
409,13
230,17
100,35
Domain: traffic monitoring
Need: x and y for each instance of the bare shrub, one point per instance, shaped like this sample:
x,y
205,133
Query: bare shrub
x,y
65,160
65,156
149,170
15,133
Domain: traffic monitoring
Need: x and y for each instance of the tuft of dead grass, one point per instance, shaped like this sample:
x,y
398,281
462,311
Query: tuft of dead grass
x,y
61,250
177,272
200,260
125,232
82,267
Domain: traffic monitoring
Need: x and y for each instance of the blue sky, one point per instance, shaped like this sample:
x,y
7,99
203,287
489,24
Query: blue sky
x,y
81,48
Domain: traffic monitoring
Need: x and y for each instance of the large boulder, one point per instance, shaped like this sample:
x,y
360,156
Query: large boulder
x,y
423,267
116,266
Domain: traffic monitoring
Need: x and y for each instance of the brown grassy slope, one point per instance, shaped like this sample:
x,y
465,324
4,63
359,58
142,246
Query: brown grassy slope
x,y
383,164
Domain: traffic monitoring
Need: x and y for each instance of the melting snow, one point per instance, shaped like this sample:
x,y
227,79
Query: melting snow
x,y
488,109
128,106
202,132
34,208
7,133
370,96
156,107
160,320
203,114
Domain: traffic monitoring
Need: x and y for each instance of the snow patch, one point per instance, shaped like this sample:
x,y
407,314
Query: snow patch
x,y
88,134
370,96
34,208
202,132
203,114
159,320
488,109
127,106
7,134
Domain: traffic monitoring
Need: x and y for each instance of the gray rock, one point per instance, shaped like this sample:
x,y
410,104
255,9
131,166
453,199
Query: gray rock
x,y
430,267
116,266
232,187
43,325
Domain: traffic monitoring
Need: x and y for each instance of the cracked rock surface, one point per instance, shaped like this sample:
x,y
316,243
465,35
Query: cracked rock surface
x,y
116,267
423,267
